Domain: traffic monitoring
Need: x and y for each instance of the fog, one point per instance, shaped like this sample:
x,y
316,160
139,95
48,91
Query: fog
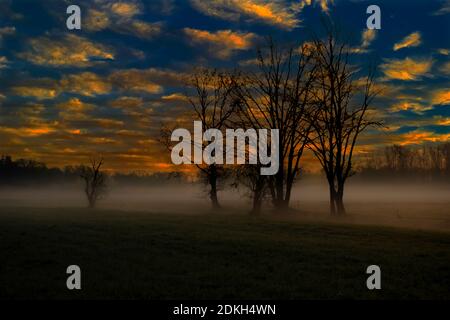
x,y
419,206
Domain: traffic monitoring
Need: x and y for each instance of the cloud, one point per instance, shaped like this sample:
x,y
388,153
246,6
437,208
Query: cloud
x,y
412,40
124,9
277,13
413,106
127,103
406,69
96,20
445,9
86,83
74,110
175,97
223,42
420,136
141,29
90,84
3,62
323,4
6,31
134,80
28,131
441,121
441,96
40,93
120,17
367,37
109,123
69,51
445,68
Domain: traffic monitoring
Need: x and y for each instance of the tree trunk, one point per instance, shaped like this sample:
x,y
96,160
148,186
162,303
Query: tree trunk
x,y
91,201
213,184
340,201
332,199
257,202
287,199
279,189
258,195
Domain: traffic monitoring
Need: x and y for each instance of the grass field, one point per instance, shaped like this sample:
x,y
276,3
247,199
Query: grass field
x,y
133,255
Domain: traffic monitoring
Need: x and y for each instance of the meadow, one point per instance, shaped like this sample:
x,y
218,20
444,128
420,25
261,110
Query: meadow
x,y
145,255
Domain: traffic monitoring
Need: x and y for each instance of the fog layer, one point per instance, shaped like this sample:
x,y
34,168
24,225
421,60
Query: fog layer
x,y
421,206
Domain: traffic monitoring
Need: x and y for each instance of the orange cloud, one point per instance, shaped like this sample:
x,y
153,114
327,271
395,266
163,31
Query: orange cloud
x,y
440,96
74,110
135,80
86,83
443,121
412,40
419,137
324,4
120,17
96,20
125,9
222,42
409,105
278,13
39,93
367,37
127,103
406,69
70,51
175,97
28,131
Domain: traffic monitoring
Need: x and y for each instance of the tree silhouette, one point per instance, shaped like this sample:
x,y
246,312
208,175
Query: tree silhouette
x,y
94,180
342,102
278,96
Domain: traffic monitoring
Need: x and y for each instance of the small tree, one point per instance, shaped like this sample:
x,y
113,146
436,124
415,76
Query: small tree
x,y
94,180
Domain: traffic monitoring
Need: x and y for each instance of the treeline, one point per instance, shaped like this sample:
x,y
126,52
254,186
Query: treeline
x,y
28,172
427,163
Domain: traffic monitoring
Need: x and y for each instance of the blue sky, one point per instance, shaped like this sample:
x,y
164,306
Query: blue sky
x,y
107,88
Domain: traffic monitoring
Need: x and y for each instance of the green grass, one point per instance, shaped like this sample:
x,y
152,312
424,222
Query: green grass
x,y
153,256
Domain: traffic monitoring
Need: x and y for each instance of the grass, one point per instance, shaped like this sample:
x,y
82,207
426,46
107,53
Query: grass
x,y
130,255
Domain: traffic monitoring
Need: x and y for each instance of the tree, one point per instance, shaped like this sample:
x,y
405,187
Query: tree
x,y
445,150
213,106
342,102
94,180
209,95
256,185
278,96
398,158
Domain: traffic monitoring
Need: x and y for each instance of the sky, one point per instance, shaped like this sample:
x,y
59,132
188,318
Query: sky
x,y
66,95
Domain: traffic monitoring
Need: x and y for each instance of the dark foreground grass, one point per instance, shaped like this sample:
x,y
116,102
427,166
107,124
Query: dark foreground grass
x,y
154,256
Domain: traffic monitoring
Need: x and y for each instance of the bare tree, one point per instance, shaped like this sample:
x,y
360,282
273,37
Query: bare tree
x,y
342,102
256,186
445,150
94,180
278,96
209,94
398,158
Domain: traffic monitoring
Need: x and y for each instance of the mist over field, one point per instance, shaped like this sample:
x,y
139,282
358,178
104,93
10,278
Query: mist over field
x,y
400,204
